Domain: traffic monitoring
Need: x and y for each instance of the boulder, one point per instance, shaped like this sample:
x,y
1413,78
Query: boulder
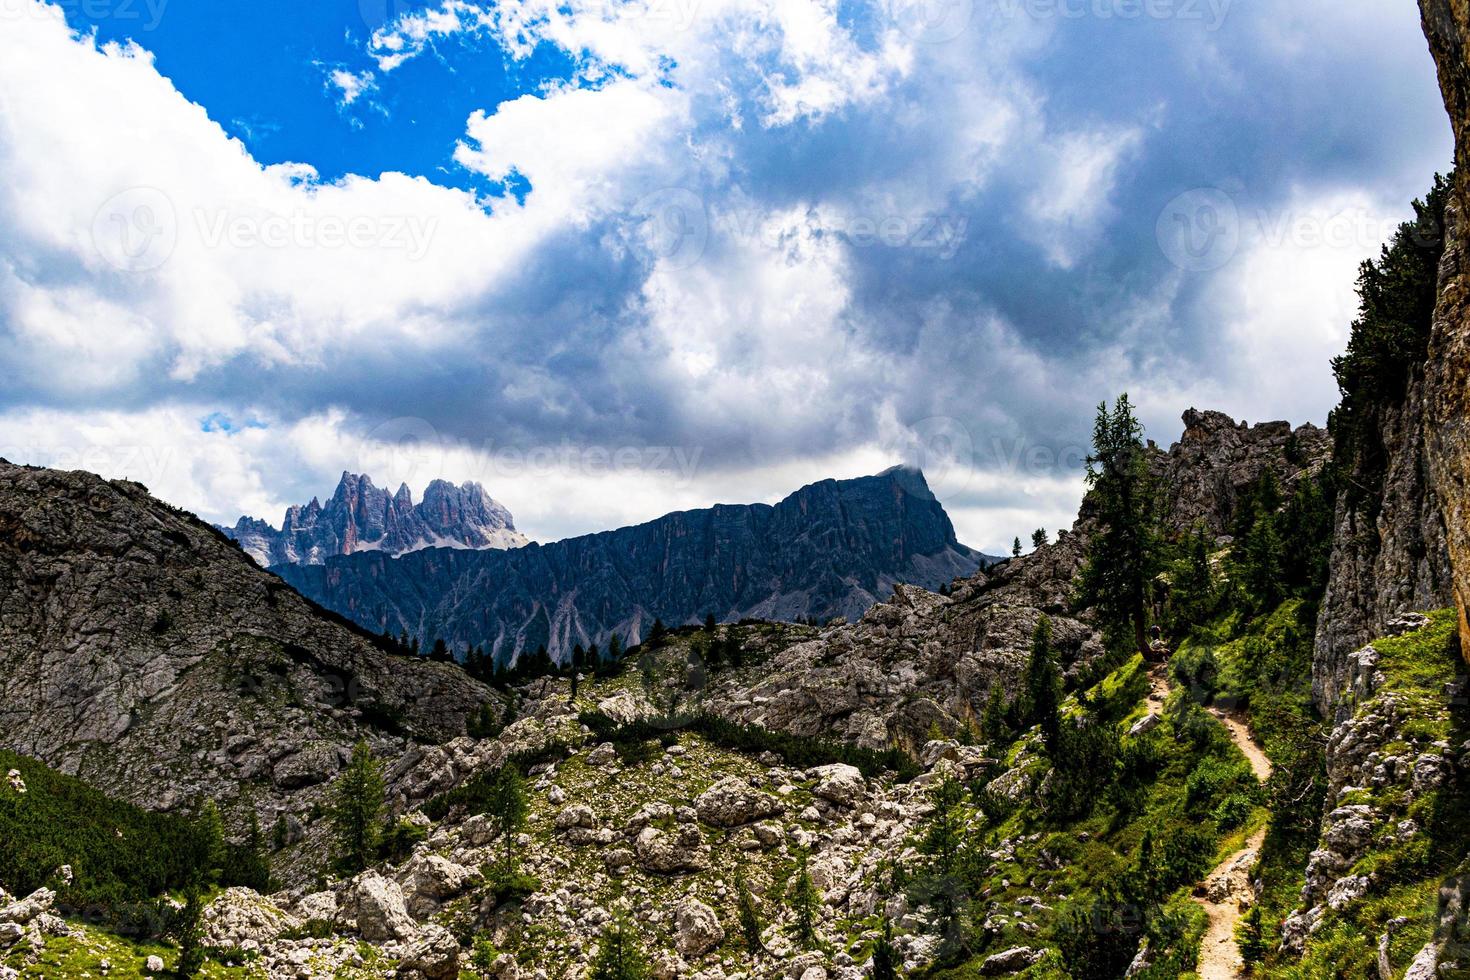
x,y
429,879
378,907
671,853
240,914
153,964
731,802
1011,961
697,928
434,955
576,816
840,784
37,903
308,767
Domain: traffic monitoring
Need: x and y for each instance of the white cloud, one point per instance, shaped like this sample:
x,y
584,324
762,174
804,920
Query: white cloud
x,y
351,85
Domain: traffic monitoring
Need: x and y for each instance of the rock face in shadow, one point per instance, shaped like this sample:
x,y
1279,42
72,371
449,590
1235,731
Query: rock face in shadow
x,y
830,549
1389,552
146,653
361,517
1447,381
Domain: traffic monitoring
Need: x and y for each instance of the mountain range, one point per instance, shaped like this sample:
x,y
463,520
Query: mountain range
x,y
829,550
361,517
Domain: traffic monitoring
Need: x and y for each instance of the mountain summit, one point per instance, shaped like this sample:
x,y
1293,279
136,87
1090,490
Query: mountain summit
x,y
362,517
830,549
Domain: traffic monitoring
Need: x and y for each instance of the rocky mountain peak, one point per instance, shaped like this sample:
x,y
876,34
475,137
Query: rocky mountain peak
x,y
361,517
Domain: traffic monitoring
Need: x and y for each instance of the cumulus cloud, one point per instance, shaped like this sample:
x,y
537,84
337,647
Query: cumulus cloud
x,y
789,238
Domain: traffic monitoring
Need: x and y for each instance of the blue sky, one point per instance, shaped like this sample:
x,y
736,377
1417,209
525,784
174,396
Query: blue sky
x,y
618,257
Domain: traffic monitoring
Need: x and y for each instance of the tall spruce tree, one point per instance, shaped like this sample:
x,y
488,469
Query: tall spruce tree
x,y
357,808
618,955
1122,556
1044,687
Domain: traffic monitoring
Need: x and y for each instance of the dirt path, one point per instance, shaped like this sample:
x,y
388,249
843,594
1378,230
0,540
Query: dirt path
x,y
1220,894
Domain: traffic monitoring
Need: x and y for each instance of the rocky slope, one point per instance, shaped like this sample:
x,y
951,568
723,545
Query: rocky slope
x,y
361,517
921,661
1447,425
830,549
146,653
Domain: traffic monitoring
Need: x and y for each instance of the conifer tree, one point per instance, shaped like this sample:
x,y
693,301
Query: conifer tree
x,y
1122,555
748,915
618,955
507,807
885,954
188,934
805,901
212,834
995,723
1044,687
357,806
1016,549
1039,538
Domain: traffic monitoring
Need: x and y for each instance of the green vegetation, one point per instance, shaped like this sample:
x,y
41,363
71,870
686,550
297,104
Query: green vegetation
x,y
122,858
801,753
619,957
1389,342
357,807
1122,555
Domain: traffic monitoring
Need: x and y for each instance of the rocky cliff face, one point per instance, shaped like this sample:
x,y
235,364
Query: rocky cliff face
x,y
1203,476
1447,26
361,517
831,549
142,651
1389,555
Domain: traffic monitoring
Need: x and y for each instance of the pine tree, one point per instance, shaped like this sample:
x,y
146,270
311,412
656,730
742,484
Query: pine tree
x,y
1039,538
994,723
885,954
212,834
1044,687
1122,555
357,806
805,901
507,807
618,956
748,915
710,623
188,933
1016,549
946,828
615,649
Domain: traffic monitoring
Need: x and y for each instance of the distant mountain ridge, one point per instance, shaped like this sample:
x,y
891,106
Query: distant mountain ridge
x,y
831,549
361,517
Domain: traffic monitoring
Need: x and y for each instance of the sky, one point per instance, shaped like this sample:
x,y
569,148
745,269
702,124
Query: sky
x,y
614,258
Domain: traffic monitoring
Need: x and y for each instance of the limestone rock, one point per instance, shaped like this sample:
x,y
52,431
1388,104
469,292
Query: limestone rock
x,y
698,928
732,802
